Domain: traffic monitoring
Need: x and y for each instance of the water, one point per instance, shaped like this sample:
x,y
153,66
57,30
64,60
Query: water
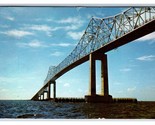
x,y
53,110
40,109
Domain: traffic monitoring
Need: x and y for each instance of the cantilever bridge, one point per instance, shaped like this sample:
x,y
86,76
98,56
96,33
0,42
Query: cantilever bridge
x,y
101,36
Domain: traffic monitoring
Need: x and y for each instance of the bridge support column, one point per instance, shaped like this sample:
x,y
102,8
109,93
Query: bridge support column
x,y
43,95
92,82
49,91
93,97
39,97
104,76
54,90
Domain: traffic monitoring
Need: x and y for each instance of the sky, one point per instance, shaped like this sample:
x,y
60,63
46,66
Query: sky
x,y
34,38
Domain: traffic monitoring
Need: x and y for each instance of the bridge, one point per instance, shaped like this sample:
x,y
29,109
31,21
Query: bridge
x,y
101,35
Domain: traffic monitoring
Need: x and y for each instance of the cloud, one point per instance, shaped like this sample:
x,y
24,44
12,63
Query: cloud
x,y
57,53
66,85
43,28
146,58
33,44
4,90
70,27
46,19
70,23
62,44
131,89
39,27
10,18
48,29
17,33
73,23
70,20
125,70
149,37
38,44
75,35
49,20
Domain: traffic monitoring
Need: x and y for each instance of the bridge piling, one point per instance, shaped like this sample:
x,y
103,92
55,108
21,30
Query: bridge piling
x,y
49,91
92,82
54,89
93,97
39,97
104,76
43,95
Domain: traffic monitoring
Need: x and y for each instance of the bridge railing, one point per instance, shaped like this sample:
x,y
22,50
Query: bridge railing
x,y
101,31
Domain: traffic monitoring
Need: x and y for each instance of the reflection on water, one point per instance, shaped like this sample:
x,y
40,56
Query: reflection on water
x,y
52,110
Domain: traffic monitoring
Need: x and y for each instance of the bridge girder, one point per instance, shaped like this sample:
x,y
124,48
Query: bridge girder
x,y
105,34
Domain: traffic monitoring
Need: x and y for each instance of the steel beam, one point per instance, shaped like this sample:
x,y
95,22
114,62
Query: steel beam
x,y
101,36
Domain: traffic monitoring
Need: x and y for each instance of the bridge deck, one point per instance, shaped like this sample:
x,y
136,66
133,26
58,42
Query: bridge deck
x,y
138,31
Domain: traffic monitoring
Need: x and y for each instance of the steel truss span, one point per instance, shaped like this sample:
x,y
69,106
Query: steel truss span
x,y
105,34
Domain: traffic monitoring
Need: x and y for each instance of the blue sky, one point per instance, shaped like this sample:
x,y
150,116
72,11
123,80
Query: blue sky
x,y
34,38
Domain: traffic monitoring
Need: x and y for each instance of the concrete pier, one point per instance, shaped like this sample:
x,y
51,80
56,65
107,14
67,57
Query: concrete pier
x,y
49,91
92,85
104,76
54,89
41,97
104,96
